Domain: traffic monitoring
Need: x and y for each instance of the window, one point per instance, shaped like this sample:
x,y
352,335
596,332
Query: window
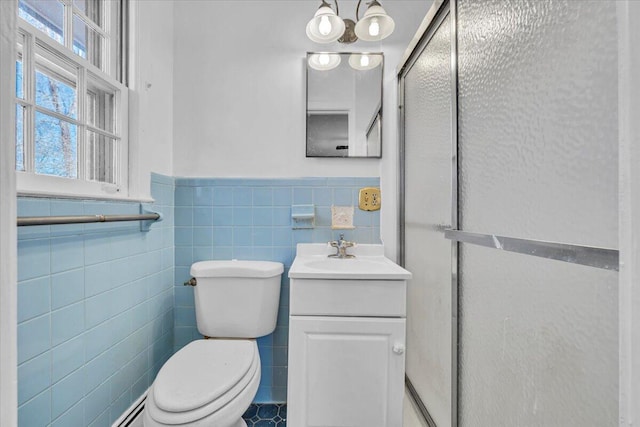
x,y
71,103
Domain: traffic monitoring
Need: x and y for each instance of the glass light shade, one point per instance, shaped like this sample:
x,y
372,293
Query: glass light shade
x,y
325,26
324,61
375,25
364,61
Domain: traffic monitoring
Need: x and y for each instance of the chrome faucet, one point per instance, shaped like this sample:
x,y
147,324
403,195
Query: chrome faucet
x,y
341,248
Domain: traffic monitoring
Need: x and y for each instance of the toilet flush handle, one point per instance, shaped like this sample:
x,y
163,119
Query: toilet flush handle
x,y
191,282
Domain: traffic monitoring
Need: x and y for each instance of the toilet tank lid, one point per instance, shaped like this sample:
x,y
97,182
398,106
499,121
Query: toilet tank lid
x,y
236,268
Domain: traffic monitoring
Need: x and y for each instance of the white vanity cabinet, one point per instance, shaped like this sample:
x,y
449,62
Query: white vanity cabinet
x,y
346,343
345,371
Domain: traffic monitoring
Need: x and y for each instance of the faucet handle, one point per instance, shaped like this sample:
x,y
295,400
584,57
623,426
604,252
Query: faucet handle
x,y
341,248
346,243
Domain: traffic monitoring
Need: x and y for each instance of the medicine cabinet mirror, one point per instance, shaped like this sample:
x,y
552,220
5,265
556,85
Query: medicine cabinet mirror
x,y
344,104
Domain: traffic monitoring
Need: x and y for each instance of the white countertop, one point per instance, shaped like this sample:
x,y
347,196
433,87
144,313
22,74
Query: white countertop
x,y
311,262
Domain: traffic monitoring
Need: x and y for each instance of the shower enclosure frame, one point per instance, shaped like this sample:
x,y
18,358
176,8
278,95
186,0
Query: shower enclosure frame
x,y
434,18
628,13
629,205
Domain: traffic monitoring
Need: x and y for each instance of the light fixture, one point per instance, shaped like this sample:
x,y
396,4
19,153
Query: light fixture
x,y
364,61
375,25
326,26
324,61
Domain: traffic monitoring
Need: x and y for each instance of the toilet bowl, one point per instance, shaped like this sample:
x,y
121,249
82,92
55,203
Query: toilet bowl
x,y
207,383
212,382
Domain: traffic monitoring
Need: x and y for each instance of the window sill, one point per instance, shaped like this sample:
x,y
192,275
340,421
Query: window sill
x,y
32,185
58,195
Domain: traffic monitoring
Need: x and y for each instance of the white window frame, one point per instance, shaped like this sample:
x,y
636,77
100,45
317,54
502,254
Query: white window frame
x,y
31,183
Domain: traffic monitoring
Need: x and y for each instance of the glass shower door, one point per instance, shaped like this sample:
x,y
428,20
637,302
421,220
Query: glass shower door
x,y
518,155
537,144
428,153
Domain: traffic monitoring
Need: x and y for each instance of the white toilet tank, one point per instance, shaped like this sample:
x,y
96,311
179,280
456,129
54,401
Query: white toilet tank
x,y
237,299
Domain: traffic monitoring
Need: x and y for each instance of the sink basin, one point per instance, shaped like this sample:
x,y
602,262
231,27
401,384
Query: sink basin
x,y
311,262
362,264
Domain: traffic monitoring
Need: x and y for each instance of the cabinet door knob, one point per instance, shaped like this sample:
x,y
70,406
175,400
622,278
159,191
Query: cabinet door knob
x,y
398,349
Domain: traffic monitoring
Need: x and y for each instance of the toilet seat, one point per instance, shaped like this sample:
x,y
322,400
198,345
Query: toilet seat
x,y
203,378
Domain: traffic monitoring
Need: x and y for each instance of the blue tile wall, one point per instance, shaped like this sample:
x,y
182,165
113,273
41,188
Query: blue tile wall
x,y
251,219
95,310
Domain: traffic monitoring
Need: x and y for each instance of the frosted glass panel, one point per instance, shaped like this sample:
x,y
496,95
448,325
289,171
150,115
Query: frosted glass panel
x,y
428,175
537,159
539,341
538,119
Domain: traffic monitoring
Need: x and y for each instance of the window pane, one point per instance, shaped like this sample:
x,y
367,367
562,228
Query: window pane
x,y
101,158
56,148
56,92
87,43
19,80
19,138
93,9
45,15
100,108
19,68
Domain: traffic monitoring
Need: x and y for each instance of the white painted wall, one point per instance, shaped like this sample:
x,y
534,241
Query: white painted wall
x,y
151,96
239,87
219,90
239,93
8,256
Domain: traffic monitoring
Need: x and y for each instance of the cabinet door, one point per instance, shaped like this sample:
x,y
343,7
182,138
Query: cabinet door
x,y
345,372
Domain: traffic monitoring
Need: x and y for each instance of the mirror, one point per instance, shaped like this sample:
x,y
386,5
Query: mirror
x,y
344,104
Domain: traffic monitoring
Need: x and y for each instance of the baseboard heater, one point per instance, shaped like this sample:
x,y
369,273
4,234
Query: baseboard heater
x,y
132,413
416,398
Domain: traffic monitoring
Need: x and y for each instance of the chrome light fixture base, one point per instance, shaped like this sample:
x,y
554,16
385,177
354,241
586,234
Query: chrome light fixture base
x,y
349,35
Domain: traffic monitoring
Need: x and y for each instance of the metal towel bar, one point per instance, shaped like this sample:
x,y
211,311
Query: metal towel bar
x,y
83,219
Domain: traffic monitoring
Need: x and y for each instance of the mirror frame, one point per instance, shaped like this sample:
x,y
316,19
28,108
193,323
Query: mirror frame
x,y
377,118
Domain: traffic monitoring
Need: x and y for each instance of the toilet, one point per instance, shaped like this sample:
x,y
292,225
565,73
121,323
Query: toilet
x,y
211,382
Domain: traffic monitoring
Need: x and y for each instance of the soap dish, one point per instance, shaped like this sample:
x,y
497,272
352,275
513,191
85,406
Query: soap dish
x,y
303,216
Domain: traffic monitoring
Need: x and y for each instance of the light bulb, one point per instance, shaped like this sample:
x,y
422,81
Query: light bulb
x,y
374,27
364,61
325,26
323,59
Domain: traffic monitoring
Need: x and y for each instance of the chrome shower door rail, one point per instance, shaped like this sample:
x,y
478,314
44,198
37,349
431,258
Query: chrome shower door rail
x,y
591,256
83,219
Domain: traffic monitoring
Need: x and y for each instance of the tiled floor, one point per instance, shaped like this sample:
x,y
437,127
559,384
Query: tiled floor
x,y
275,415
266,415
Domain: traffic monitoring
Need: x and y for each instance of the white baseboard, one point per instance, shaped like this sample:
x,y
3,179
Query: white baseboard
x,y
129,416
